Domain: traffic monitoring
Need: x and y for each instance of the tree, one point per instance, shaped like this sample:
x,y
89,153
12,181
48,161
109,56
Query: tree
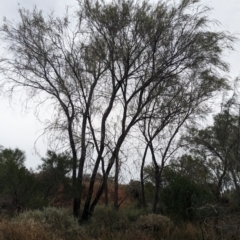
x,y
53,174
182,197
113,59
10,156
185,187
194,168
162,130
218,145
17,184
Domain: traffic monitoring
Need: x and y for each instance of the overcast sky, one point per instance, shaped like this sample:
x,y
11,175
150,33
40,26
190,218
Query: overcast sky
x,y
20,129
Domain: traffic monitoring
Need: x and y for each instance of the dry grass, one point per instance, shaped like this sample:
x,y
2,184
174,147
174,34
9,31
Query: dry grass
x,y
154,223
187,231
22,231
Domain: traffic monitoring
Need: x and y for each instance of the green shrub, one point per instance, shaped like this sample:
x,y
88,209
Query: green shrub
x,y
57,222
182,196
107,219
132,213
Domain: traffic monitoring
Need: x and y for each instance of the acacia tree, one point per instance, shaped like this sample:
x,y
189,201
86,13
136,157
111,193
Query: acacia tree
x,y
159,133
118,59
218,145
166,117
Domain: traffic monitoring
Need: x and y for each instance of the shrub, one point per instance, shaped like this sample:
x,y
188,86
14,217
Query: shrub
x,y
57,222
107,219
132,213
182,196
154,223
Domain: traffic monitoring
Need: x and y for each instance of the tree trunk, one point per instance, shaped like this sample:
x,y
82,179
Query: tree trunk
x,y
141,177
76,200
106,194
156,193
76,204
116,184
106,187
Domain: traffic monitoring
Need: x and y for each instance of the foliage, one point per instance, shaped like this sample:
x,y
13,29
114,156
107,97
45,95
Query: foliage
x,y
59,164
149,173
194,168
18,186
9,156
22,189
133,213
182,197
218,146
133,190
107,219
149,192
37,225
53,175
57,222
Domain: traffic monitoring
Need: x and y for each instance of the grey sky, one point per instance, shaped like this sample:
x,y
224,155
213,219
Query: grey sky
x,y
18,129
